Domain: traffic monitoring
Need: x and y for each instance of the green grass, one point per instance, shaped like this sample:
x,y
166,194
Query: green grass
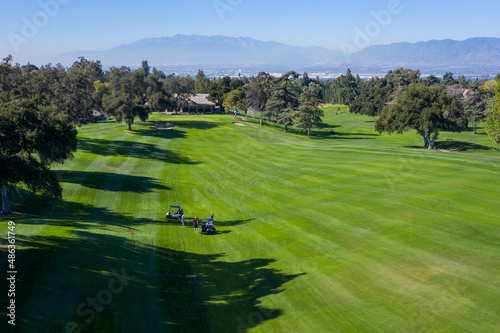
x,y
360,233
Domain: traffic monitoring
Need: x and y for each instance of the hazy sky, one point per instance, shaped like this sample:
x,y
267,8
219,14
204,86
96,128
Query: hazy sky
x,y
47,27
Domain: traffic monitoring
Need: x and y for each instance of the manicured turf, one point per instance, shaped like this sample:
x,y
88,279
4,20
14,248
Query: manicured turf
x,y
360,233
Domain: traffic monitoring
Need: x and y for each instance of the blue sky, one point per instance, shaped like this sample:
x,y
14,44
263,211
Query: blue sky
x,y
32,28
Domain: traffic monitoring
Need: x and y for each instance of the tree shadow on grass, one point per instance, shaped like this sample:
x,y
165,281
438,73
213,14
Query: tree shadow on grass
x,y
173,133
329,126
188,221
194,124
456,146
112,283
232,223
176,132
132,149
82,216
323,135
462,146
39,210
107,181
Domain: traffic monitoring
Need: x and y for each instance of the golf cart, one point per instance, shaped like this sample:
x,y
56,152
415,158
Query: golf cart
x,y
174,212
209,219
207,226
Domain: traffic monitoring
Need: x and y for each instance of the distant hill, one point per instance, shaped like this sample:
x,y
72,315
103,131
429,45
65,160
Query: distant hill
x,y
474,56
194,50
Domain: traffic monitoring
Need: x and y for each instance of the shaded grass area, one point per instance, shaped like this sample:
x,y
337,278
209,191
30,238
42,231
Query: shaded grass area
x,y
157,278
360,129
133,149
351,235
463,146
108,181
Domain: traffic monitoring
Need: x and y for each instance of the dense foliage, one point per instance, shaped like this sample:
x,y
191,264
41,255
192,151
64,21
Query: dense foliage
x,y
378,93
427,110
388,98
36,128
493,123
343,90
40,106
289,100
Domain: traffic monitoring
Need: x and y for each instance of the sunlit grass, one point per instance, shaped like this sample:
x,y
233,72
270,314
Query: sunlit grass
x,y
359,233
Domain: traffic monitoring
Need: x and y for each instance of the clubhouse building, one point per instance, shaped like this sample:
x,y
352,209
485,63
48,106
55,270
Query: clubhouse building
x,y
198,103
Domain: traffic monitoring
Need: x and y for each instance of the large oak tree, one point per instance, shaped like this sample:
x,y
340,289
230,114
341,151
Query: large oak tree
x,y
31,140
127,97
427,110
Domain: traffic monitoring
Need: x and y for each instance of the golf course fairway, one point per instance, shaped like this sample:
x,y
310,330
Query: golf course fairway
x,y
345,232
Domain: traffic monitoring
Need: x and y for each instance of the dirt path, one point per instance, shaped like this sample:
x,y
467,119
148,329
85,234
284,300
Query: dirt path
x,y
276,135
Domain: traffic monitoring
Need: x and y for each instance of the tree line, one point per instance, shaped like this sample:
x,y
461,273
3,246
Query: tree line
x,y
402,101
41,107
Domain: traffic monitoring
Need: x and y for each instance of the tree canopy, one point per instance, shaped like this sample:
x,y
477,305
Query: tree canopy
x,y
127,97
475,107
201,83
235,99
31,139
379,93
493,122
427,110
284,100
290,100
258,93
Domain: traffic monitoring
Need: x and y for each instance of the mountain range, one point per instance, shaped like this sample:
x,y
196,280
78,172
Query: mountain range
x,y
195,50
473,56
